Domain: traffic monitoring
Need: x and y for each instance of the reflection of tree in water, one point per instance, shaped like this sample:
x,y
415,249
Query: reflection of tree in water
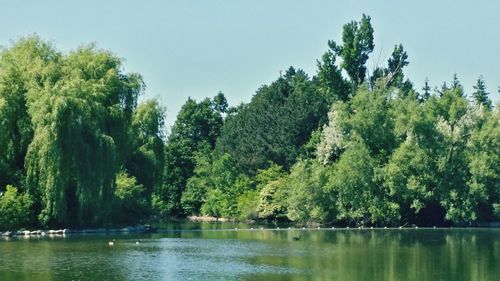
x,y
392,254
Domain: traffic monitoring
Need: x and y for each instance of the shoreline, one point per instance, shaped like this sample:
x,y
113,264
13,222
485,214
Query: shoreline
x,y
41,233
149,229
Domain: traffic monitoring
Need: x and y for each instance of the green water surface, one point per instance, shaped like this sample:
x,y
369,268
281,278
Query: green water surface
x,y
269,254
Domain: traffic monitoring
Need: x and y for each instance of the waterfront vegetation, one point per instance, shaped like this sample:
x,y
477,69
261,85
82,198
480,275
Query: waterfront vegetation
x,y
347,145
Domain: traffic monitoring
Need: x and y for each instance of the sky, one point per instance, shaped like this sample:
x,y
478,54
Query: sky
x,y
195,49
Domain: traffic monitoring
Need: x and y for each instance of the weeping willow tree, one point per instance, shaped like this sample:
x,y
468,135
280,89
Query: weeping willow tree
x,y
23,67
81,117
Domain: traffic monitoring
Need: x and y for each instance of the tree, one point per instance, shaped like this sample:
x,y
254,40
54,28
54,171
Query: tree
x,y
25,67
305,195
15,209
410,179
273,200
146,162
454,125
291,110
197,126
80,119
225,188
330,80
455,83
427,91
131,202
357,44
480,95
357,197
357,38
483,156
220,103
396,64
271,193
197,186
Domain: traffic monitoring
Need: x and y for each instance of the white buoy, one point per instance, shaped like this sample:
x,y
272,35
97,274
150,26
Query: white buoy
x,y
111,243
137,242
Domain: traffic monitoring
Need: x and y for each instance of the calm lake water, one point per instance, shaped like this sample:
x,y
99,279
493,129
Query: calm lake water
x,y
245,254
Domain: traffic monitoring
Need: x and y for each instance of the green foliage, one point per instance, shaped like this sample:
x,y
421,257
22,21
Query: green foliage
x,y
67,123
15,209
25,67
272,200
274,172
224,201
357,40
359,199
483,154
426,91
328,149
270,203
148,150
218,189
290,108
196,128
193,197
330,80
131,201
367,116
306,199
410,177
247,205
480,94
80,127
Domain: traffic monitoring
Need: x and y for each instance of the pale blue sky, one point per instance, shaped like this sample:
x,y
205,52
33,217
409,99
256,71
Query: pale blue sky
x,y
196,48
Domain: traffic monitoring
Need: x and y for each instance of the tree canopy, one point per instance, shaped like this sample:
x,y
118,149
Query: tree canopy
x,y
79,147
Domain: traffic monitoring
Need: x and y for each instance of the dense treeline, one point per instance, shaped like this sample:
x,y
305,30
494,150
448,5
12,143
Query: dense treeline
x,y
345,146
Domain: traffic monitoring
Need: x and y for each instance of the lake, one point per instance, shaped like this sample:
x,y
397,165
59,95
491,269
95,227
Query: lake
x,y
220,252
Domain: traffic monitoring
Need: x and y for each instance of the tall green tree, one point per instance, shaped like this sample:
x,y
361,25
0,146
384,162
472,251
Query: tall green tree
x,y
483,156
291,110
79,119
357,38
357,44
329,76
197,126
480,95
426,91
146,161
25,67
